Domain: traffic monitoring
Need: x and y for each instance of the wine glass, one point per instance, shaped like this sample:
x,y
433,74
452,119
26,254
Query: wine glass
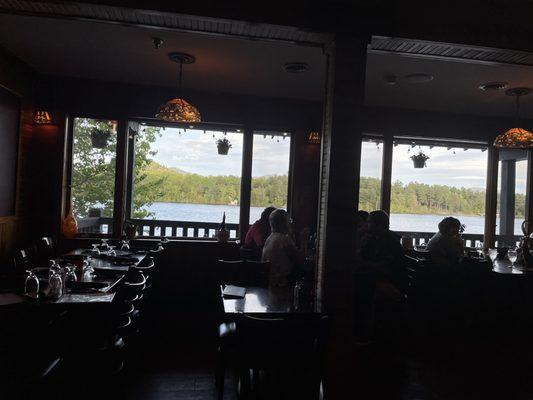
x,y
479,249
87,267
95,251
512,255
31,285
125,245
70,275
104,245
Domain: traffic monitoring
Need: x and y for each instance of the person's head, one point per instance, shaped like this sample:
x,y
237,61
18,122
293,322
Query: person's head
x,y
279,221
378,221
450,226
361,216
266,213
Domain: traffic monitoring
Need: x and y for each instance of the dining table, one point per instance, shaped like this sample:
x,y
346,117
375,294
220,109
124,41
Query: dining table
x,y
505,267
272,302
90,288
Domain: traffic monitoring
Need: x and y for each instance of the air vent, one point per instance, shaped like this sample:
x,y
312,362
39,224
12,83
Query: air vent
x,y
296,67
493,86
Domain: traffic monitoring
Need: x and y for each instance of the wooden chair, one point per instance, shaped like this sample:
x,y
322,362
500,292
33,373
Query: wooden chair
x,y
289,349
22,260
45,249
243,273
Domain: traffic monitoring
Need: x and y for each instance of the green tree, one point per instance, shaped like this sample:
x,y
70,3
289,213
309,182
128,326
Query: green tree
x,y
93,170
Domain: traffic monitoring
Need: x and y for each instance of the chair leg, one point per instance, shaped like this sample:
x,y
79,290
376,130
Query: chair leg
x,y
220,373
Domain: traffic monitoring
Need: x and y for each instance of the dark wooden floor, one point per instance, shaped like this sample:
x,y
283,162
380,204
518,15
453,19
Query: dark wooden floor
x,y
176,361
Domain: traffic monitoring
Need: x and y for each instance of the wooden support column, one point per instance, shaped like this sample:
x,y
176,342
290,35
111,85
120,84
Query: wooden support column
x,y
246,181
491,198
386,173
120,179
340,166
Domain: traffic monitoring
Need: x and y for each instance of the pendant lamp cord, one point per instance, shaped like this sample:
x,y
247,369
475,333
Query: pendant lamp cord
x,y
517,117
181,73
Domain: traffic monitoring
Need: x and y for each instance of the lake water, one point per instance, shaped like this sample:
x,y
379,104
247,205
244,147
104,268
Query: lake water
x,y
213,213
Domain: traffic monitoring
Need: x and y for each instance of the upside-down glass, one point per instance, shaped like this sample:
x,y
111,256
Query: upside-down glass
x,y
70,275
87,267
31,285
56,285
104,245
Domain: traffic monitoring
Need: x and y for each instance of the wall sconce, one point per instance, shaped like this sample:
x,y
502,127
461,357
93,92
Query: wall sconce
x,y
314,138
42,117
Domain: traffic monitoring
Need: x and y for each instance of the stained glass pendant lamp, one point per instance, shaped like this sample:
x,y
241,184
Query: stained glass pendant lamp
x,y
515,138
178,109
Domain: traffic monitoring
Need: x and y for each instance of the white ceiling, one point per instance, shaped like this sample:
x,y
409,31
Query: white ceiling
x,y
120,53
453,89
112,52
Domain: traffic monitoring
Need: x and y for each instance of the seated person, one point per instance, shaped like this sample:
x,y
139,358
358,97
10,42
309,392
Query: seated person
x,y
259,231
280,250
446,246
382,253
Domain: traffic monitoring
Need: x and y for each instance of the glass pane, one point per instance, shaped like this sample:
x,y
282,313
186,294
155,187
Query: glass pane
x,y
181,178
452,183
370,183
93,173
512,169
270,171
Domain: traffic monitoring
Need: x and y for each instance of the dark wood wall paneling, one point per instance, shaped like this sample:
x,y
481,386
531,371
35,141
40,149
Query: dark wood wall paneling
x,y
35,145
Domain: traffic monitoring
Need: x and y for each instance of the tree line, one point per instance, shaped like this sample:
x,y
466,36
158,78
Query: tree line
x,y
421,198
176,186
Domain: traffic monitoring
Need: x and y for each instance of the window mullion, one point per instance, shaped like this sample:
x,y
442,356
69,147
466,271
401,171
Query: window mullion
x,y
246,181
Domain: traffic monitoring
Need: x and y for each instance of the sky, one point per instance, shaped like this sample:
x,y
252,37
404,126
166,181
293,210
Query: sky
x,y
196,152
463,169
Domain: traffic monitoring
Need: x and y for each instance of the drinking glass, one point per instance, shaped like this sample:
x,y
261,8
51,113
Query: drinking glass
x,y
94,250
493,253
511,255
479,249
31,285
56,285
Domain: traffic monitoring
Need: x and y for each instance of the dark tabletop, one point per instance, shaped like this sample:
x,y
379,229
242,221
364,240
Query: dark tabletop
x,y
265,301
110,275
504,267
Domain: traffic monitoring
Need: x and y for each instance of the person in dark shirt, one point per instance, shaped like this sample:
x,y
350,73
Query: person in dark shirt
x,y
381,250
446,246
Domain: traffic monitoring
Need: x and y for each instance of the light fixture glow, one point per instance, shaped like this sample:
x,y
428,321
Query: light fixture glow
x,y
178,109
515,138
42,118
314,137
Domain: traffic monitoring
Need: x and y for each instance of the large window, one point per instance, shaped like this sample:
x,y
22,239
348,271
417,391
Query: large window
x,y
370,182
270,171
180,176
451,184
94,154
174,180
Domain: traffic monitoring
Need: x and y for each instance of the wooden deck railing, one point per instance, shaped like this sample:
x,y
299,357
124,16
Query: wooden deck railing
x,y
198,230
149,227
469,239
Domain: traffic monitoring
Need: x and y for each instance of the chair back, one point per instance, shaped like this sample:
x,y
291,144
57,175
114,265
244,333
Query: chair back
x,y
243,273
22,260
282,342
250,253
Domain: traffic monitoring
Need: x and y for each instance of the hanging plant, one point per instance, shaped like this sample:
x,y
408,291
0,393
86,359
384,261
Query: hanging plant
x,y
99,138
419,160
223,145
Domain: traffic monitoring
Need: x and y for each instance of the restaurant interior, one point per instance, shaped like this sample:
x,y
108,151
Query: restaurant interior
x,y
141,141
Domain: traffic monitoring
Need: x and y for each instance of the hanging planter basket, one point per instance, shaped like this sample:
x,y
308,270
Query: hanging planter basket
x,y
419,160
223,146
100,138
